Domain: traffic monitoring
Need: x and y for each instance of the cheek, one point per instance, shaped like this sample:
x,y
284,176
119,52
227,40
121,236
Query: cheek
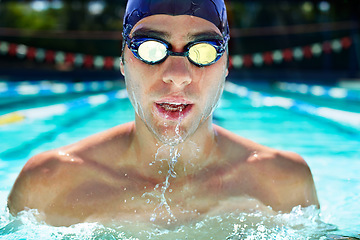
x,y
213,84
214,77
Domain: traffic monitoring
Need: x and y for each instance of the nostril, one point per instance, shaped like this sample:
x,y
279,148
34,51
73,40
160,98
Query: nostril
x,y
177,81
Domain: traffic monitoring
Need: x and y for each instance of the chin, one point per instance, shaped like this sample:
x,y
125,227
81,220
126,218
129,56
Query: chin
x,y
171,133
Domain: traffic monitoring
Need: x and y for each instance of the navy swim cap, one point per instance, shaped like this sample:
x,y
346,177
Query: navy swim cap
x,y
211,10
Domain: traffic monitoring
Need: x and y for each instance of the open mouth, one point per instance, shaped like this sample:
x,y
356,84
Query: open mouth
x,y
173,111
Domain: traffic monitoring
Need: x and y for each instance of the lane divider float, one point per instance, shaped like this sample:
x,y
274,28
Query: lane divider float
x,y
237,61
46,88
319,91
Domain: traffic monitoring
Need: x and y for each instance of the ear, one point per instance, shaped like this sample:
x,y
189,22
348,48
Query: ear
x,y
122,66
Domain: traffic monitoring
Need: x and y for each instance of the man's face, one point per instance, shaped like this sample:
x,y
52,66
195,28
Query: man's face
x,y
174,98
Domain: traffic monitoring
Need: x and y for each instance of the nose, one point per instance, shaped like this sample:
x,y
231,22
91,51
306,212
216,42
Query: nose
x,y
177,71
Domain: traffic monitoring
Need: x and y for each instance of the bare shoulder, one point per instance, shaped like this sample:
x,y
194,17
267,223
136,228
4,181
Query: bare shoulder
x,y
40,180
52,174
287,178
281,179
104,147
119,136
257,154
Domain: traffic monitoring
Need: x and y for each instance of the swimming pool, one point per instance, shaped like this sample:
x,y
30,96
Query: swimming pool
x,y
263,114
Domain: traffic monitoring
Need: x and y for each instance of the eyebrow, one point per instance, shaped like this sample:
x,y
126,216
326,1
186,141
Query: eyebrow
x,y
205,36
147,32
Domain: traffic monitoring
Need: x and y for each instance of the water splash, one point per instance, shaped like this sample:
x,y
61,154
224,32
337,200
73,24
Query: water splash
x,y
169,152
163,200
301,223
174,154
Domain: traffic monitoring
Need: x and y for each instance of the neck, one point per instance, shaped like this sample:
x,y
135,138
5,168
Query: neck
x,y
156,158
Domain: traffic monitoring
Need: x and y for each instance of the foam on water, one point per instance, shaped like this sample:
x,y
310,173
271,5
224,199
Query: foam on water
x,y
301,223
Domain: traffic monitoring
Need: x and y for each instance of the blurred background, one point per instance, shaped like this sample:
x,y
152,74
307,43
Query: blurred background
x,y
311,41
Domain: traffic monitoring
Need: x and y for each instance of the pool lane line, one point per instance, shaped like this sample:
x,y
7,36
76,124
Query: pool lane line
x,y
11,118
62,108
45,88
345,118
26,147
319,91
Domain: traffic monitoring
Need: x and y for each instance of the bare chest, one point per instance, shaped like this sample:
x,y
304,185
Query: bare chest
x,y
130,198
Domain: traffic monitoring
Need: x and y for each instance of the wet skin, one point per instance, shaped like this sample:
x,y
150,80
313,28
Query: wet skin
x,y
118,174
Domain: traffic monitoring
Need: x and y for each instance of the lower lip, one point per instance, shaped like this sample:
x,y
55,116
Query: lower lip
x,y
173,115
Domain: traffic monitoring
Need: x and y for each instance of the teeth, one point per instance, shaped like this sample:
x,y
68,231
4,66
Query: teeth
x,y
177,104
173,106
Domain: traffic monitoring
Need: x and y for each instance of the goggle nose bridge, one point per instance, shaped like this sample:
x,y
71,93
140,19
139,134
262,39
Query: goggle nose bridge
x,y
178,54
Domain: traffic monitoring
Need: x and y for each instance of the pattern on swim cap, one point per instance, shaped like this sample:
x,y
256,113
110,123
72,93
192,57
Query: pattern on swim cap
x,y
211,10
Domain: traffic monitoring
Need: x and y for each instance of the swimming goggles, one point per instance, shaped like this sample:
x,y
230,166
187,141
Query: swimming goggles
x,y
200,53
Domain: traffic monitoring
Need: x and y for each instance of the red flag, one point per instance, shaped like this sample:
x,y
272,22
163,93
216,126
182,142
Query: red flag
x,y
307,51
108,62
12,49
287,54
268,58
346,42
230,62
70,58
49,56
88,61
326,46
31,53
248,60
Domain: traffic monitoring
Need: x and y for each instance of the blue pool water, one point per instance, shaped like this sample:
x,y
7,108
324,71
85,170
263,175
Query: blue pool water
x,y
330,148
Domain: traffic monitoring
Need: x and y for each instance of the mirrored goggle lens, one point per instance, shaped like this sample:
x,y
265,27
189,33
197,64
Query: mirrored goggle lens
x,y
152,51
202,53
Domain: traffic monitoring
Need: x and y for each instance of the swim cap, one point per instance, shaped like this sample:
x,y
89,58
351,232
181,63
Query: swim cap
x,y
211,10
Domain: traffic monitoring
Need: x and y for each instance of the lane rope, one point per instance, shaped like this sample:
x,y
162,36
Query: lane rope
x,y
46,88
237,61
319,91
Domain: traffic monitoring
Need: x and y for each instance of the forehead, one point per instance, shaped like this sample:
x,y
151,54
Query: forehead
x,y
177,27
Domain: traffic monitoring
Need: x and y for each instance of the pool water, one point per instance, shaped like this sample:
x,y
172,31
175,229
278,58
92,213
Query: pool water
x,y
332,152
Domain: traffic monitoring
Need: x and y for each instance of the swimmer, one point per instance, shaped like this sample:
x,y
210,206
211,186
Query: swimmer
x,y
172,165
